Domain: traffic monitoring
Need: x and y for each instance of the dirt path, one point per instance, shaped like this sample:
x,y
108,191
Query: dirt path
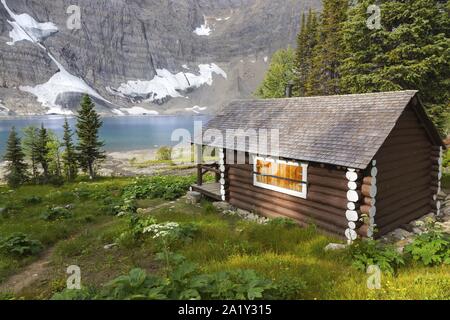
x,y
33,272
26,277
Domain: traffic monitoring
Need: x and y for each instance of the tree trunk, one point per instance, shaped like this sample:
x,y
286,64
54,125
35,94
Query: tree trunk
x,y
91,171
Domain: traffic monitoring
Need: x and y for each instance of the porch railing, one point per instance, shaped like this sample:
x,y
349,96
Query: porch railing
x,y
202,169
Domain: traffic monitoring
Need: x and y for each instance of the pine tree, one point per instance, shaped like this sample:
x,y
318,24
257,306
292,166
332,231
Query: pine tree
x,y
410,51
327,54
69,156
306,43
54,155
16,168
42,150
89,146
30,146
279,75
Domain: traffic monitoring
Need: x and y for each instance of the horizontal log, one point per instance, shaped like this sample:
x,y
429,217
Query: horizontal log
x,y
409,131
387,175
395,160
387,200
303,220
336,202
366,190
405,148
367,180
406,139
311,187
363,231
400,204
281,199
420,212
367,201
392,216
303,211
402,183
365,209
326,172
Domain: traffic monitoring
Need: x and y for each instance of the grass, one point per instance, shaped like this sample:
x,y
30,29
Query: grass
x,y
445,181
284,254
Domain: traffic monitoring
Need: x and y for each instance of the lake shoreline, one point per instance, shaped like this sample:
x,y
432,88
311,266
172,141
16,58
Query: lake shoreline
x,y
123,164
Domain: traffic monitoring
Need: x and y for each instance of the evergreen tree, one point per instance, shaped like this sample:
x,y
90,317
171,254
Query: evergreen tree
x,y
30,148
54,155
69,156
410,51
279,75
89,146
42,150
16,167
327,54
306,43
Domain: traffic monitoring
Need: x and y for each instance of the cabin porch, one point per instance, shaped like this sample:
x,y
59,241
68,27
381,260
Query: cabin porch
x,y
208,189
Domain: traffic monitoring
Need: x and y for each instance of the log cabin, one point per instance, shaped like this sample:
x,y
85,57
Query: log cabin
x,y
353,165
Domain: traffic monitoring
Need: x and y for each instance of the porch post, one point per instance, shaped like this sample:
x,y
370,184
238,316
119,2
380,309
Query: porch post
x,y
198,159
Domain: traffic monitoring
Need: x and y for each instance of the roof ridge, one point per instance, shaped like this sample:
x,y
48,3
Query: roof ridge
x,y
413,92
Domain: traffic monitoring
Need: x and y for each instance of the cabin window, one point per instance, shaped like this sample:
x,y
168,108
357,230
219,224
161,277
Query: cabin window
x,y
282,176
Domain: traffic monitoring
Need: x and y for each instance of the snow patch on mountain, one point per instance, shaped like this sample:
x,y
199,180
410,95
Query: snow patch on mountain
x,y
203,30
196,109
27,28
137,111
4,111
166,84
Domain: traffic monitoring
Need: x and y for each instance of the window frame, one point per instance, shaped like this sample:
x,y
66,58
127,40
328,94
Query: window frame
x,y
294,193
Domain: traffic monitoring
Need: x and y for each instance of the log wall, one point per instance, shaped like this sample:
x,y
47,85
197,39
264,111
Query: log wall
x,y
404,178
325,205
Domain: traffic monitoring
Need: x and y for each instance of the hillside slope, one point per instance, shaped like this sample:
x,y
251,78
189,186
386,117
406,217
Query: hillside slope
x,y
139,55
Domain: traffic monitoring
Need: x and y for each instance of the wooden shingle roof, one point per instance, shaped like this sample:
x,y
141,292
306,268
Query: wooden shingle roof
x,y
344,130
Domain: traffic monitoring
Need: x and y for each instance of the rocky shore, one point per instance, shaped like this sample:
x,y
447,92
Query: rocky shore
x,y
129,164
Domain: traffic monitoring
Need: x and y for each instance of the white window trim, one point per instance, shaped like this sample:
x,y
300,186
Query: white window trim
x,y
279,189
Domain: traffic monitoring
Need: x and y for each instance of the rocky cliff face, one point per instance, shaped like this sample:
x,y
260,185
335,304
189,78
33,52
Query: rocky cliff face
x,y
139,56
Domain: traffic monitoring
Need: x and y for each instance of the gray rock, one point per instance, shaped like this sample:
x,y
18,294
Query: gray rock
x,y
400,234
2,210
193,197
110,246
222,206
335,246
441,195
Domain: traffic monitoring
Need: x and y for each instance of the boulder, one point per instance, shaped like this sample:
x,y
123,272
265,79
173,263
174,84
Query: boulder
x,y
193,197
400,234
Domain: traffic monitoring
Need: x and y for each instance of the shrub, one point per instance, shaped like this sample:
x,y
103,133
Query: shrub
x,y
288,289
185,281
32,200
56,213
430,248
20,245
171,231
164,153
165,187
370,252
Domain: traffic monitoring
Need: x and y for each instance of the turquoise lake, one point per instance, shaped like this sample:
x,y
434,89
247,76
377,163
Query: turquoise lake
x,y
119,133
